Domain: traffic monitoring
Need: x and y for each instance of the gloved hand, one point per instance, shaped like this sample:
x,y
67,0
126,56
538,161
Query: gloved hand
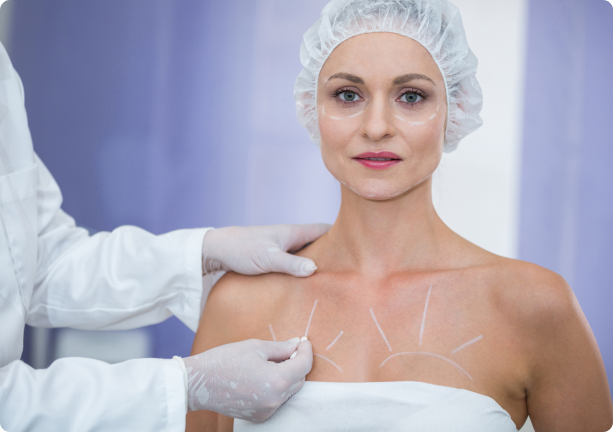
x,y
247,380
256,250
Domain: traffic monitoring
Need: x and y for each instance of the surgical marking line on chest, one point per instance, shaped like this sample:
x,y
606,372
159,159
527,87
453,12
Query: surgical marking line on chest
x,y
464,345
334,341
423,320
416,353
380,330
328,360
306,332
425,353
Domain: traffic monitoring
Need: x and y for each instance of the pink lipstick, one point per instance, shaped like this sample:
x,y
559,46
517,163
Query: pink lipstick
x,y
378,160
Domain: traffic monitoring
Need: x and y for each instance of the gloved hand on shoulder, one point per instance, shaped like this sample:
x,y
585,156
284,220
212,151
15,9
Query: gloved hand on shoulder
x,y
256,250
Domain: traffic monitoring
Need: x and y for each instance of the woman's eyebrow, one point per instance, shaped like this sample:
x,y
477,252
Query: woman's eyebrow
x,y
410,77
348,77
397,81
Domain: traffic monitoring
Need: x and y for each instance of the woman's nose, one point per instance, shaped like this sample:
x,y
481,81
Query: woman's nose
x,y
378,121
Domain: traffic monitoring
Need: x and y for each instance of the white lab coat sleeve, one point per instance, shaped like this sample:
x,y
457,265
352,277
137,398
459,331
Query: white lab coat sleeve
x,y
83,395
123,279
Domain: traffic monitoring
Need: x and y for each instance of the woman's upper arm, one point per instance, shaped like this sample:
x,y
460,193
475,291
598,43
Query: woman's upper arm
x,y
219,324
569,389
215,329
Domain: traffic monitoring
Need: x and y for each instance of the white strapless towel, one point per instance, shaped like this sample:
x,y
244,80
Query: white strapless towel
x,y
385,406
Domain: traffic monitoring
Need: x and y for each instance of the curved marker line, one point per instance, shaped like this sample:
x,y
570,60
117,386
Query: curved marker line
x,y
272,332
454,364
328,360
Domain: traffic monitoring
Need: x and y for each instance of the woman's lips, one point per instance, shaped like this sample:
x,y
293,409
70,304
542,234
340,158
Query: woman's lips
x,y
378,161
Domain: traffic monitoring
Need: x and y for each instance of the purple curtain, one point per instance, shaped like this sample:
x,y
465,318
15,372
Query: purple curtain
x,y
171,115
567,179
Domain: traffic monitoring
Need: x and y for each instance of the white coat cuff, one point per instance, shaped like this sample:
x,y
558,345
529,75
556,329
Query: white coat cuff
x,y
176,395
193,272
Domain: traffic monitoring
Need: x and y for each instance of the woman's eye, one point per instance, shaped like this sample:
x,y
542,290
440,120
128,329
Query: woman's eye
x,y
349,96
411,97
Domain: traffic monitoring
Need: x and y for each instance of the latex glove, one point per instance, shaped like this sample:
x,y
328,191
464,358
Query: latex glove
x,y
247,380
256,250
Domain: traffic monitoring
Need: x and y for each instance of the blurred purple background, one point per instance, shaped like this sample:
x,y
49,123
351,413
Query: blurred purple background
x,y
566,212
172,115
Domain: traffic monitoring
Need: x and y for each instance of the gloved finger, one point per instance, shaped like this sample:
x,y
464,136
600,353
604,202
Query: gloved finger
x,y
298,367
279,351
301,235
282,262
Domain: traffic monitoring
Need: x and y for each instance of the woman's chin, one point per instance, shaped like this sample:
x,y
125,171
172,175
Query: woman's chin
x,y
385,196
378,194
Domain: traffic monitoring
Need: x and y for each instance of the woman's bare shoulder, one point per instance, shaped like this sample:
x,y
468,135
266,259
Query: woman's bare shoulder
x,y
522,290
517,283
558,345
236,305
239,293
531,291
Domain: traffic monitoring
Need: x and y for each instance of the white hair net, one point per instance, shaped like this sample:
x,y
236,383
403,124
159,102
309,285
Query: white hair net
x,y
435,24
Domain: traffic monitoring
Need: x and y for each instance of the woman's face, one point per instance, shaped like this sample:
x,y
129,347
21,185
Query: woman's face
x,y
382,111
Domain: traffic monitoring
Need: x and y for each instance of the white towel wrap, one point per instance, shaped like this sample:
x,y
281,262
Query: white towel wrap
x,y
385,406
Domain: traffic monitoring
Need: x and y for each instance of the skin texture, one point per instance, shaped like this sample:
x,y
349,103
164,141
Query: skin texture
x,y
388,254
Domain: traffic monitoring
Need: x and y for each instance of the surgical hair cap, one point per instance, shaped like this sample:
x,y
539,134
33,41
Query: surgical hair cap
x,y
435,24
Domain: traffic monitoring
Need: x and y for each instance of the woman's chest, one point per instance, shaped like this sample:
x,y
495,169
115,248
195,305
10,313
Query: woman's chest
x,y
430,333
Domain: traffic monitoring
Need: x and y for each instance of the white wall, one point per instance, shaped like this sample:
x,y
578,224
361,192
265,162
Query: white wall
x,y
477,186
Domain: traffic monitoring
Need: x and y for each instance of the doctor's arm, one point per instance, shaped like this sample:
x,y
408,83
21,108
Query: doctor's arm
x,y
64,277
122,279
81,395
130,278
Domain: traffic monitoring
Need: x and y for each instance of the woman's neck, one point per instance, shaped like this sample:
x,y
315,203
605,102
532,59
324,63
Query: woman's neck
x,y
383,237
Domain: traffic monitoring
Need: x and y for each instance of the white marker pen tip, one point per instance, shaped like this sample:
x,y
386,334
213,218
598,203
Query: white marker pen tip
x,y
302,339
308,268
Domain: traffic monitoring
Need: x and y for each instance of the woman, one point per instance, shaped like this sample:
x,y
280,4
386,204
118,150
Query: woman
x,y
412,326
